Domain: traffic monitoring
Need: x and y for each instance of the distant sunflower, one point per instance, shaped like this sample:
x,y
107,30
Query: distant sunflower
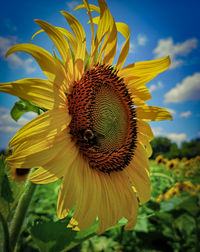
x,y
19,175
171,164
94,135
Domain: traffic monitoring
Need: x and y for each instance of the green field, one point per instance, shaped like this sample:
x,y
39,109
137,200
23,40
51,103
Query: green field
x,y
170,221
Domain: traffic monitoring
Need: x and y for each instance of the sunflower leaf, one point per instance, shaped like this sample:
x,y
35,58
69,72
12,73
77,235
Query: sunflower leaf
x,y
22,106
55,236
5,188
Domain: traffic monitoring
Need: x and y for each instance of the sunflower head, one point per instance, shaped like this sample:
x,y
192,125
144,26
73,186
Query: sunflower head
x,y
94,135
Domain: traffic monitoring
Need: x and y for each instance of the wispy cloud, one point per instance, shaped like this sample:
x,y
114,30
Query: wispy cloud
x,y
72,4
175,51
187,90
186,114
154,87
14,60
177,138
7,124
141,40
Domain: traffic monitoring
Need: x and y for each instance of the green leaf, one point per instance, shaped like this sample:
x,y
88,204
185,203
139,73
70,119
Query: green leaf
x,y
185,224
142,225
55,236
22,106
5,188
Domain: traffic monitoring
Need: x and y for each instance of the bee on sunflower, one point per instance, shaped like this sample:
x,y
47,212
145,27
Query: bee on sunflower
x,y
94,135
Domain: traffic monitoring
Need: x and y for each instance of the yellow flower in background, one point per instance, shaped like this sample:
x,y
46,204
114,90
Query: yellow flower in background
x,y
159,159
172,164
94,135
19,175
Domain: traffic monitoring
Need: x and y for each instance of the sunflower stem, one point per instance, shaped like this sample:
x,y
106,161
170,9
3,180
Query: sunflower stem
x,y
158,174
6,245
20,213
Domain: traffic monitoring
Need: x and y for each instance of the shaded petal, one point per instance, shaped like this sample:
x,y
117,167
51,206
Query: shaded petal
x,y
117,200
88,197
57,167
49,65
145,129
37,154
67,196
38,91
62,45
58,39
145,142
139,176
48,124
152,113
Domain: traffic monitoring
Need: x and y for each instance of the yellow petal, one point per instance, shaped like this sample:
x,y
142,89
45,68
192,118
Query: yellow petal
x,y
145,129
42,176
145,142
48,124
141,92
38,91
142,72
152,113
68,192
58,39
85,184
124,30
139,176
57,167
81,43
66,33
38,153
49,65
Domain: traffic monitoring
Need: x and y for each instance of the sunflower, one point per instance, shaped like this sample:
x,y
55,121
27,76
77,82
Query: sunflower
x,y
159,159
19,175
94,135
172,164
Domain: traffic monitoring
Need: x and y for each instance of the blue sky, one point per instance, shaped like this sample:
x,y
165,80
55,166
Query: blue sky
x,y
158,29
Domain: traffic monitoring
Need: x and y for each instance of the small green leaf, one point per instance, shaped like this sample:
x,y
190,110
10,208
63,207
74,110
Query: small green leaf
x,y
55,236
22,106
142,225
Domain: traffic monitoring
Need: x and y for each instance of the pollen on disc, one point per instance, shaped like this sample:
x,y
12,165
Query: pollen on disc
x,y
109,118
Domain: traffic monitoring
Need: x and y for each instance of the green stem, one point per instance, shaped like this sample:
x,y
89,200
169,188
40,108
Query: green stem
x,y
197,235
6,234
158,174
20,213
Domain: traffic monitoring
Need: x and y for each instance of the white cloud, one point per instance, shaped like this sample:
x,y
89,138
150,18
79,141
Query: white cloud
x,y
141,40
174,137
187,90
154,87
177,138
198,133
167,47
7,124
186,114
14,60
72,4
158,131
